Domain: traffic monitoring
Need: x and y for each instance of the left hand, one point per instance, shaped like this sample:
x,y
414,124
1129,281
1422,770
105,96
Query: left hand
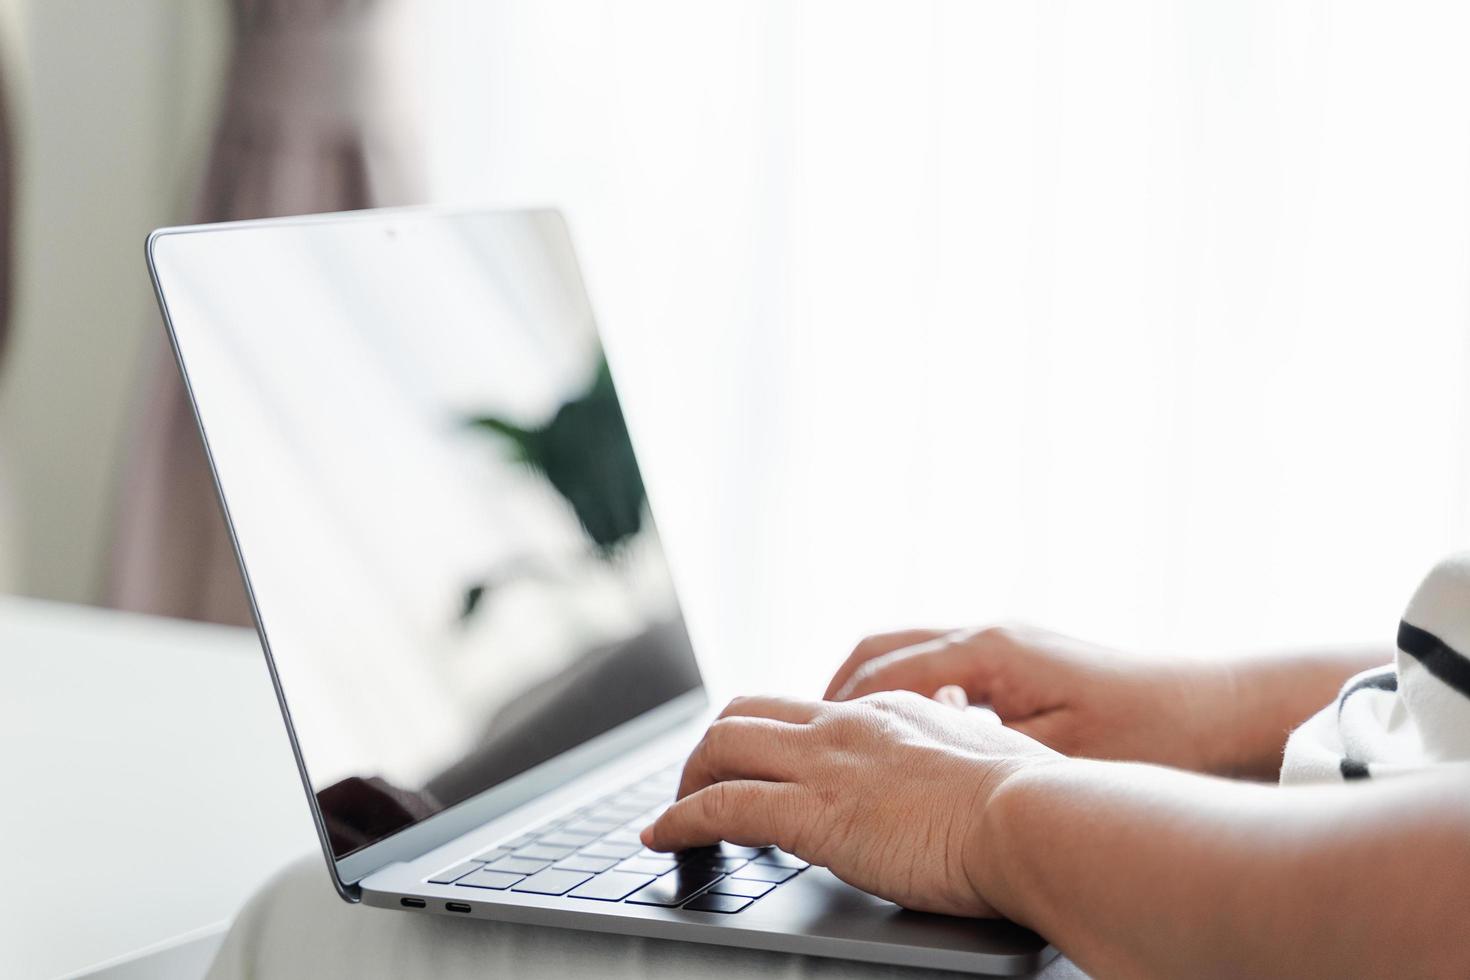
x,y
1079,698
888,791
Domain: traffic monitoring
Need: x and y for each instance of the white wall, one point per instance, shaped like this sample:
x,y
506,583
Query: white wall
x,y
113,100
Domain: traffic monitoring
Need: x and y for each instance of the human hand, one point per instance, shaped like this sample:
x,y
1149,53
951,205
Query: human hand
x,y
889,792
1076,697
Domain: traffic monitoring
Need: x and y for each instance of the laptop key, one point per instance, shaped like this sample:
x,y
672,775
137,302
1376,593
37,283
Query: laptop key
x,y
678,857
518,866
592,825
539,852
675,888
765,872
646,866
781,859
620,814
719,852
742,887
499,880
716,862
455,873
649,798
636,802
552,882
726,850
516,842
611,887
590,865
565,838
602,849
711,902
494,854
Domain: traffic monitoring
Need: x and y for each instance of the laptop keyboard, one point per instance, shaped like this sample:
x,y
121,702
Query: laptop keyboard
x,y
593,854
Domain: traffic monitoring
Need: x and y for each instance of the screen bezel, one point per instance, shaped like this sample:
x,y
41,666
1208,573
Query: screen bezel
x,y
425,835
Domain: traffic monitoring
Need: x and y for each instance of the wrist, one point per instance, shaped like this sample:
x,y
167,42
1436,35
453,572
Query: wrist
x,y
1215,721
1266,696
1000,853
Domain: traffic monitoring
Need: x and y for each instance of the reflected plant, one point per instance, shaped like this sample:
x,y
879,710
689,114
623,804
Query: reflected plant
x,y
585,453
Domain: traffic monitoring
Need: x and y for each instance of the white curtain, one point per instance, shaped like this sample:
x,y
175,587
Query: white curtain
x,y
1144,320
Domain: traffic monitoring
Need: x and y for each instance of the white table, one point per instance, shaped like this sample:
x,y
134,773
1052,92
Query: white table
x,y
149,789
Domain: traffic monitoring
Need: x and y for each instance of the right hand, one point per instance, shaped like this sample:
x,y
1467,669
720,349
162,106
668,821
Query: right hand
x,y
1075,697
889,793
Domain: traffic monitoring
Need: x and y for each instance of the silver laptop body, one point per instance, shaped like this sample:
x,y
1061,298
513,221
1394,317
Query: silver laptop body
x,y
459,587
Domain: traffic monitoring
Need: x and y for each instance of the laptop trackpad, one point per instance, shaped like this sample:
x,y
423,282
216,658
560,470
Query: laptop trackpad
x,y
816,904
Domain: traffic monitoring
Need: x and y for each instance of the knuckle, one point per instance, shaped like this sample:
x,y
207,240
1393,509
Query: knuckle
x,y
717,735
715,801
830,717
879,717
735,705
888,701
1006,633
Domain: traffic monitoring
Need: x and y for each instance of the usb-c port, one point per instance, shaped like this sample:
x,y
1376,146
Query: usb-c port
x,y
412,903
456,906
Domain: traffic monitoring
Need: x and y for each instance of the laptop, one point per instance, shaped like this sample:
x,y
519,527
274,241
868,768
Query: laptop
x,y
459,586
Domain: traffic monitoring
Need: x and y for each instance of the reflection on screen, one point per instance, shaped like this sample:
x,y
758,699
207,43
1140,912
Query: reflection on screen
x,y
435,497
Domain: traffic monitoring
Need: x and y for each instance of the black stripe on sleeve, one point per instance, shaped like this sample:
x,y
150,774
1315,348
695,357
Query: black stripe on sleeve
x,y
1438,658
1384,680
1352,768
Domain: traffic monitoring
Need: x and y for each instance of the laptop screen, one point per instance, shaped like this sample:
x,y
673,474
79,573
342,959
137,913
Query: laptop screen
x,y
434,496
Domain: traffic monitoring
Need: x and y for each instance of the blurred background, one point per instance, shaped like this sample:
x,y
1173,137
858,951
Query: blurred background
x,y
1144,321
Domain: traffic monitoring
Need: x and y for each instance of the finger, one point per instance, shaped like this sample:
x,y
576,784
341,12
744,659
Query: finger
x,y
876,646
741,748
745,812
952,695
791,710
950,659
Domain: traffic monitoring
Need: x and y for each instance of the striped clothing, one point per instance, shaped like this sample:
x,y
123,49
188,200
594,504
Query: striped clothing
x,y
1409,714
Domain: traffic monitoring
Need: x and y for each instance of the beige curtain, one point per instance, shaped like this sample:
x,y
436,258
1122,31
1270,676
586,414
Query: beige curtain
x,y
304,129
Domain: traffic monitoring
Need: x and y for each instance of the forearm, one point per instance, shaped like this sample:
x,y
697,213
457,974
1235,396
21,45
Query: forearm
x,y
1270,694
1138,871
